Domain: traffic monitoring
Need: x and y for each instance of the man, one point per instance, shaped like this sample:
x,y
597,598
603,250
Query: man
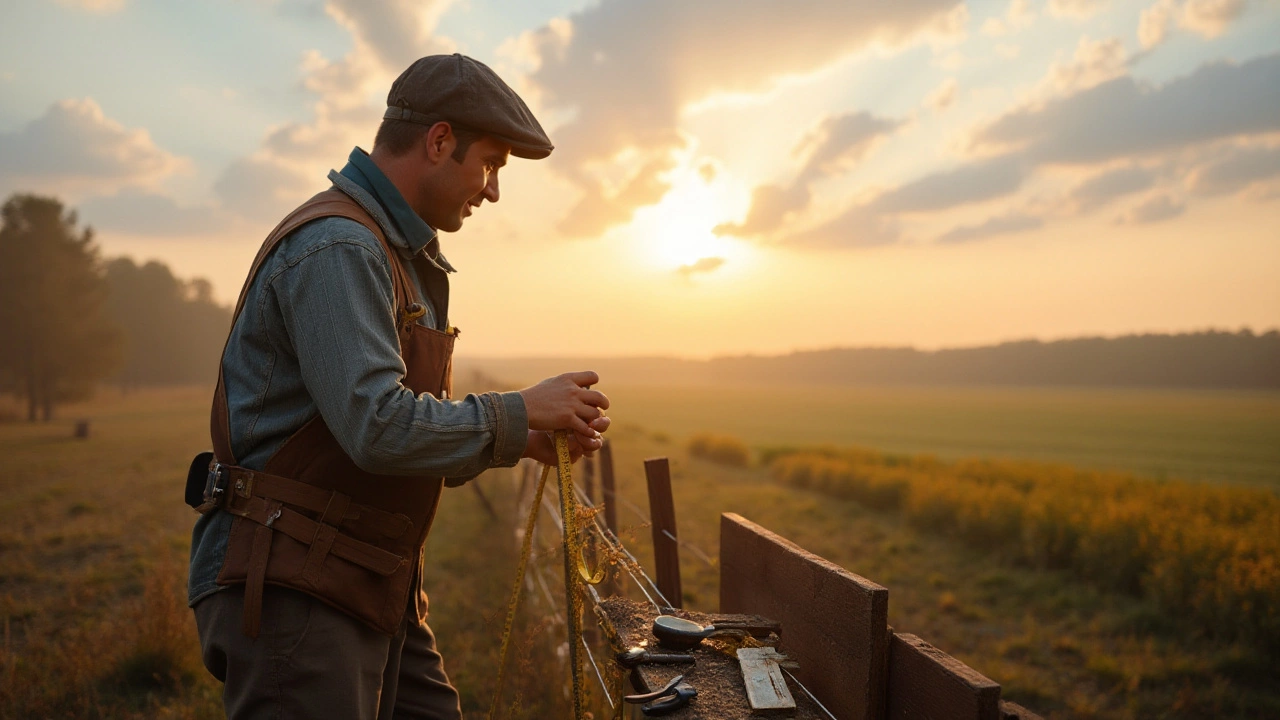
x,y
332,426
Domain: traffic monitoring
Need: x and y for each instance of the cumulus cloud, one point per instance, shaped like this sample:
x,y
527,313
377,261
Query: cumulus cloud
x,y
1094,62
1075,9
623,71
1001,225
702,265
1121,118
1152,210
1237,170
1107,186
1018,16
140,212
388,36
1208,18
74,145
832,147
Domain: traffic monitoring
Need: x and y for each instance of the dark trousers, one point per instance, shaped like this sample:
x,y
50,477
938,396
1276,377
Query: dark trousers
x,y
311,661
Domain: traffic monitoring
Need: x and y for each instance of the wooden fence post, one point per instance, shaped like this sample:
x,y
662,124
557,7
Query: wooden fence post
x,y
608,492
662,515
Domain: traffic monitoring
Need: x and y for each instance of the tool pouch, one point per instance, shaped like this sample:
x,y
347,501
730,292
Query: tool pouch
x,y
199,480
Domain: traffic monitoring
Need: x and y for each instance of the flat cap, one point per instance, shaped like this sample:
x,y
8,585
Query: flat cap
x,y
458,89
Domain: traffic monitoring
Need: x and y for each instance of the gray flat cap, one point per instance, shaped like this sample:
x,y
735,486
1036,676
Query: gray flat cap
x,y
458,89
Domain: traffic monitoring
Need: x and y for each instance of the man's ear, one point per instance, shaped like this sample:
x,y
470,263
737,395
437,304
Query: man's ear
x,y
439,142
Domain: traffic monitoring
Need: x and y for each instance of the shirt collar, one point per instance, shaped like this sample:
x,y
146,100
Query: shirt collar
x,y
420,236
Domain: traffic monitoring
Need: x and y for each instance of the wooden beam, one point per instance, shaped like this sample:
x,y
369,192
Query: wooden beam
x,y
766,687
926,682
834,623
662,515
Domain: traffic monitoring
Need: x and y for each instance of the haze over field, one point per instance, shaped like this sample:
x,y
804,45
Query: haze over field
x,y
731,177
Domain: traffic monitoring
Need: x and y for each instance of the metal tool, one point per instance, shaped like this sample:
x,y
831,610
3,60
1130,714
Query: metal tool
x,y
674,696
632,657
679,634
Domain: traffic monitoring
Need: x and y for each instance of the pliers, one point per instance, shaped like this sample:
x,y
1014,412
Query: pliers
x,y
669,699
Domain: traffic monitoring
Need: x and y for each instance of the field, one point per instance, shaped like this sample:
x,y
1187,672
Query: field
x,y
1195,435
94,536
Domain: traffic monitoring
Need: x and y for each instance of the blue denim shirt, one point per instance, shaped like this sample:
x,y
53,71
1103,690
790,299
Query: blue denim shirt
x,y
317,335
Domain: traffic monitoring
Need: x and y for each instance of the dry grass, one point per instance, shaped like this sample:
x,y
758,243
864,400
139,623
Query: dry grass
x,y
1201,553
723,449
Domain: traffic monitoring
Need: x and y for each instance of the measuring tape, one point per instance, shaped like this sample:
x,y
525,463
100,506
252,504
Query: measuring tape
x,y
576,573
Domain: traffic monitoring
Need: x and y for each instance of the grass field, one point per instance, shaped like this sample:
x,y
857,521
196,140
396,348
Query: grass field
x,y
94,538
1196,435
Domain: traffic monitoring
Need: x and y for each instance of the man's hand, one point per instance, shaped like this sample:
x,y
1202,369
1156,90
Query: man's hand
x,y
566,402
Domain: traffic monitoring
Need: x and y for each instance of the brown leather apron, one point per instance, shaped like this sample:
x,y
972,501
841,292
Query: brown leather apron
x,y
311,519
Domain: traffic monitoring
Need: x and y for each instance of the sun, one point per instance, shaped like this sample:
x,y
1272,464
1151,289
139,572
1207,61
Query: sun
x,y
678,231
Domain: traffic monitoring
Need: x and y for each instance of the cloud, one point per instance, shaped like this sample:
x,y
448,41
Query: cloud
x,y
976,182
74,145
100,7
1093,63
1075,9
622,71
388,36
1002,225
702,265
262,188
859,226
1121,118
1018,16
942,96
1107,186
1156,208
1236,171
1208,18
146,213
832,147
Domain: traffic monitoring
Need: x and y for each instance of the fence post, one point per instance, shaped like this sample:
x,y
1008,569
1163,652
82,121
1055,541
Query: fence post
x,y
662,514
608,492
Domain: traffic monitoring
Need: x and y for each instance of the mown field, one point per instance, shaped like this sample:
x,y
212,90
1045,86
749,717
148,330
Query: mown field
x,y
94,537
1196,435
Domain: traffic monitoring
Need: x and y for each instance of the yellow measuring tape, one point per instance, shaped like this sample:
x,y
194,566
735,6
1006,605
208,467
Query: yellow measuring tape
x,y
576,573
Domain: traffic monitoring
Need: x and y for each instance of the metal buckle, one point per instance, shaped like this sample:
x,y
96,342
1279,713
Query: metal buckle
x,y
215,485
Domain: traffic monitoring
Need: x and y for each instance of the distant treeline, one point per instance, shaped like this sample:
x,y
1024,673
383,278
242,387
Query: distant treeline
x,y
173,330
1211,359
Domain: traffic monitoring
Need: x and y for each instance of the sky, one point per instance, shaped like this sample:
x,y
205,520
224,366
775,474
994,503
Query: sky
x,y
730,176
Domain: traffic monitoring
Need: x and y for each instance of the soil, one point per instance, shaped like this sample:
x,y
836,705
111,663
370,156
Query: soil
x,y
715,674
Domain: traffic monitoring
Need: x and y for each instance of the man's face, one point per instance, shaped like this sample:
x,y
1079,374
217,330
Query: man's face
x,y
459,187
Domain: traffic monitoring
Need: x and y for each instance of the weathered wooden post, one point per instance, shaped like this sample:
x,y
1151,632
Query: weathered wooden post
x,y
609,496
662,515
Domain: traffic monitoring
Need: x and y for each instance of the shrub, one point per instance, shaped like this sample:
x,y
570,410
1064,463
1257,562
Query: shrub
x,y
722,449
1207,554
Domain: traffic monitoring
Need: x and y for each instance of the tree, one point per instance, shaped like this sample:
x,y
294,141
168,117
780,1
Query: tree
x,y
57,341
174,330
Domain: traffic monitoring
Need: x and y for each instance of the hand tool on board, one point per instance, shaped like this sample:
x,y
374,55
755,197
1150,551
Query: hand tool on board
x,y
632,657
669,699
676,633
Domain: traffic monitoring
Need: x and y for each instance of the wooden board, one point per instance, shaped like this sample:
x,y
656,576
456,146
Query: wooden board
x,y
766,686
925,682
834,623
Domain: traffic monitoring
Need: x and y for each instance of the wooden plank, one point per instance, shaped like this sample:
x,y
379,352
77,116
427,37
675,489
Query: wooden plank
x,y
766,687
834,623
662,515
925,682
1014,711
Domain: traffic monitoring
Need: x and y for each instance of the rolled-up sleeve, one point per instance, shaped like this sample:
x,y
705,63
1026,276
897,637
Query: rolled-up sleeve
x,y
337,306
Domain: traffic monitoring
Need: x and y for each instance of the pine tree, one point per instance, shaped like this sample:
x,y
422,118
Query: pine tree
x,y
56,341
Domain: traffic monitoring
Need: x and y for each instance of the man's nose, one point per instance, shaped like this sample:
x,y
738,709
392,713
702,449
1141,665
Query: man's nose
x,y
491,188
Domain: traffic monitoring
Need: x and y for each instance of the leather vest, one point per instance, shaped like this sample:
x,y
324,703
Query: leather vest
x,y
311,519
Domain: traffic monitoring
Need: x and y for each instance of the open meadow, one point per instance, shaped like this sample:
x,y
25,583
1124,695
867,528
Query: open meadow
x,y
94,538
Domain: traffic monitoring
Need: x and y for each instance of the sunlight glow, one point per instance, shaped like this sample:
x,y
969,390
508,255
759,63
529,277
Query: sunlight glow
x,y
677,232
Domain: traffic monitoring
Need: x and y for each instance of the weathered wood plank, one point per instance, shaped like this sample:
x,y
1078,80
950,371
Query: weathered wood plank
x,y
834,623
925,682
766,687
662,513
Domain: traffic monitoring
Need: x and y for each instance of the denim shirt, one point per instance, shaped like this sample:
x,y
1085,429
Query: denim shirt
x,y
317,335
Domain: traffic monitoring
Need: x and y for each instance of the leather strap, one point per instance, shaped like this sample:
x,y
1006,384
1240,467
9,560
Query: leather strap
x,y
257,575
304,530
361,519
